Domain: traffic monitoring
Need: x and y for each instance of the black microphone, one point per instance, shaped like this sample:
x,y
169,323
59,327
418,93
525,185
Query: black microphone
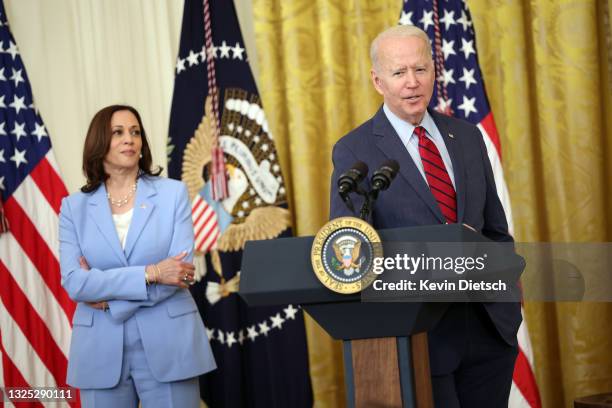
x,y
348,181
382,178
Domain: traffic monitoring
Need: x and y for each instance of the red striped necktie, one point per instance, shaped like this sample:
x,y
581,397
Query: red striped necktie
x,y
437,177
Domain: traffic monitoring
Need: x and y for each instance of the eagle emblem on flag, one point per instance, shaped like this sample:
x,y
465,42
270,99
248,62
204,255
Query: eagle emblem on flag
x,y
251,210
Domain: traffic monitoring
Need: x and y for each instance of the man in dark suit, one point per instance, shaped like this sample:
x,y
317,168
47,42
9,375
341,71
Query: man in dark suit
x,y
445,177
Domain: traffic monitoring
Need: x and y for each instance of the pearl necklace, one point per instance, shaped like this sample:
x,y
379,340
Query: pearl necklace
x,y
122,201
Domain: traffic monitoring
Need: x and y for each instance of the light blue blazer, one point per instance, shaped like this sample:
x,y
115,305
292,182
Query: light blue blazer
x,y
173,335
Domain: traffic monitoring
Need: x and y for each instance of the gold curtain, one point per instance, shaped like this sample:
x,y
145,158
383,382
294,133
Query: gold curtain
x,y
548,71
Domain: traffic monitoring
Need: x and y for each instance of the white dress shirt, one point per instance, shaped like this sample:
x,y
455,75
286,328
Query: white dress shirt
x,y
122,225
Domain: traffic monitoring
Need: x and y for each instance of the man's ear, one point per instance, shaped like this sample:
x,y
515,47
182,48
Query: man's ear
x,y
376,81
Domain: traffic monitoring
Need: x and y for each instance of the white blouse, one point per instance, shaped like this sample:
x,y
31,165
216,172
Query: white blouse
x,y
122,225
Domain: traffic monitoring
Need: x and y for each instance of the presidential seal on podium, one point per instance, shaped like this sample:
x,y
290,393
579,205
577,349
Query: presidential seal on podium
x,y
342,254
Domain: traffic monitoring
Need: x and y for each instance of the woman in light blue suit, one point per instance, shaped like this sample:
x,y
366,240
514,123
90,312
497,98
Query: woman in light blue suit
x,y
126,244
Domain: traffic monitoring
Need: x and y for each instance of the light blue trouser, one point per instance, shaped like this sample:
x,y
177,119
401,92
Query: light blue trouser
x,y
137,382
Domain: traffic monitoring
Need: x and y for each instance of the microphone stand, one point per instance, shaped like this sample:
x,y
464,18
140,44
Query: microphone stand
x,y
347,201
368,203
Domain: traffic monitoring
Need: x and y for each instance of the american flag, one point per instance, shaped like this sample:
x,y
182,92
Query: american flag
x,y
261,352
205,225
35,311
460,92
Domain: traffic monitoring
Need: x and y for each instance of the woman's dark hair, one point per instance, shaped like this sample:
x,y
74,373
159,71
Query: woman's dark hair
x,y
97,144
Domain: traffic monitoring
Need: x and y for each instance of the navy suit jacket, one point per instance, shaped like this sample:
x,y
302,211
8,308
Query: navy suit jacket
x,y
409,201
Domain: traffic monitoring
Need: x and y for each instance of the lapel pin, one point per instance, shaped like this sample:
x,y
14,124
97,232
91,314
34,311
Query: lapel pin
x,y
143,206
451,135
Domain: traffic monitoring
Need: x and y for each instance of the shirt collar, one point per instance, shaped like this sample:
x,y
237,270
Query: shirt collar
x,y
405,129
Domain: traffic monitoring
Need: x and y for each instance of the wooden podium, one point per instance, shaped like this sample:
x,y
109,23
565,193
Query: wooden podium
x,y
386,360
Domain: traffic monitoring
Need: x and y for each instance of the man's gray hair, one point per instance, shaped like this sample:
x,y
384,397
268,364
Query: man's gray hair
x,y
399,31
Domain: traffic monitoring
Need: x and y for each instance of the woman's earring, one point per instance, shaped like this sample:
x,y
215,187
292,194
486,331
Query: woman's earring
x,y
141,155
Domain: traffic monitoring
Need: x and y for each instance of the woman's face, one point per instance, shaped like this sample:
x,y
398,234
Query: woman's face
x,y
126,142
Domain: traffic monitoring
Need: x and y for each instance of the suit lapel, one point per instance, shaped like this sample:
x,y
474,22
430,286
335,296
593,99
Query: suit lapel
x,y
99,212
391,145
143,207
454,151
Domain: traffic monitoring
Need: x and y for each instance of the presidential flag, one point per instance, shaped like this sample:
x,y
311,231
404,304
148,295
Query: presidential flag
x,y
460,92
220,145
35,311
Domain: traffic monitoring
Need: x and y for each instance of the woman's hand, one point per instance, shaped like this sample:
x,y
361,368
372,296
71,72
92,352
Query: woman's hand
x,y
172,271
96,305
83,263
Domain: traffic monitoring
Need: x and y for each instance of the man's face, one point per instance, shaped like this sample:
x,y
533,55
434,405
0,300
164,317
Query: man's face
x,y
404,76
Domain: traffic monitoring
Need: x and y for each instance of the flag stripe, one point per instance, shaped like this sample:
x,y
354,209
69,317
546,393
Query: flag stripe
x,y
210,241
39,253
516,399
489,126
524,379
524,333
53,163
37,333
500,183
205,240
32,201
206,229
204,218
10,372
49,183
19,350
196,209
2,374
208,225
38,294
